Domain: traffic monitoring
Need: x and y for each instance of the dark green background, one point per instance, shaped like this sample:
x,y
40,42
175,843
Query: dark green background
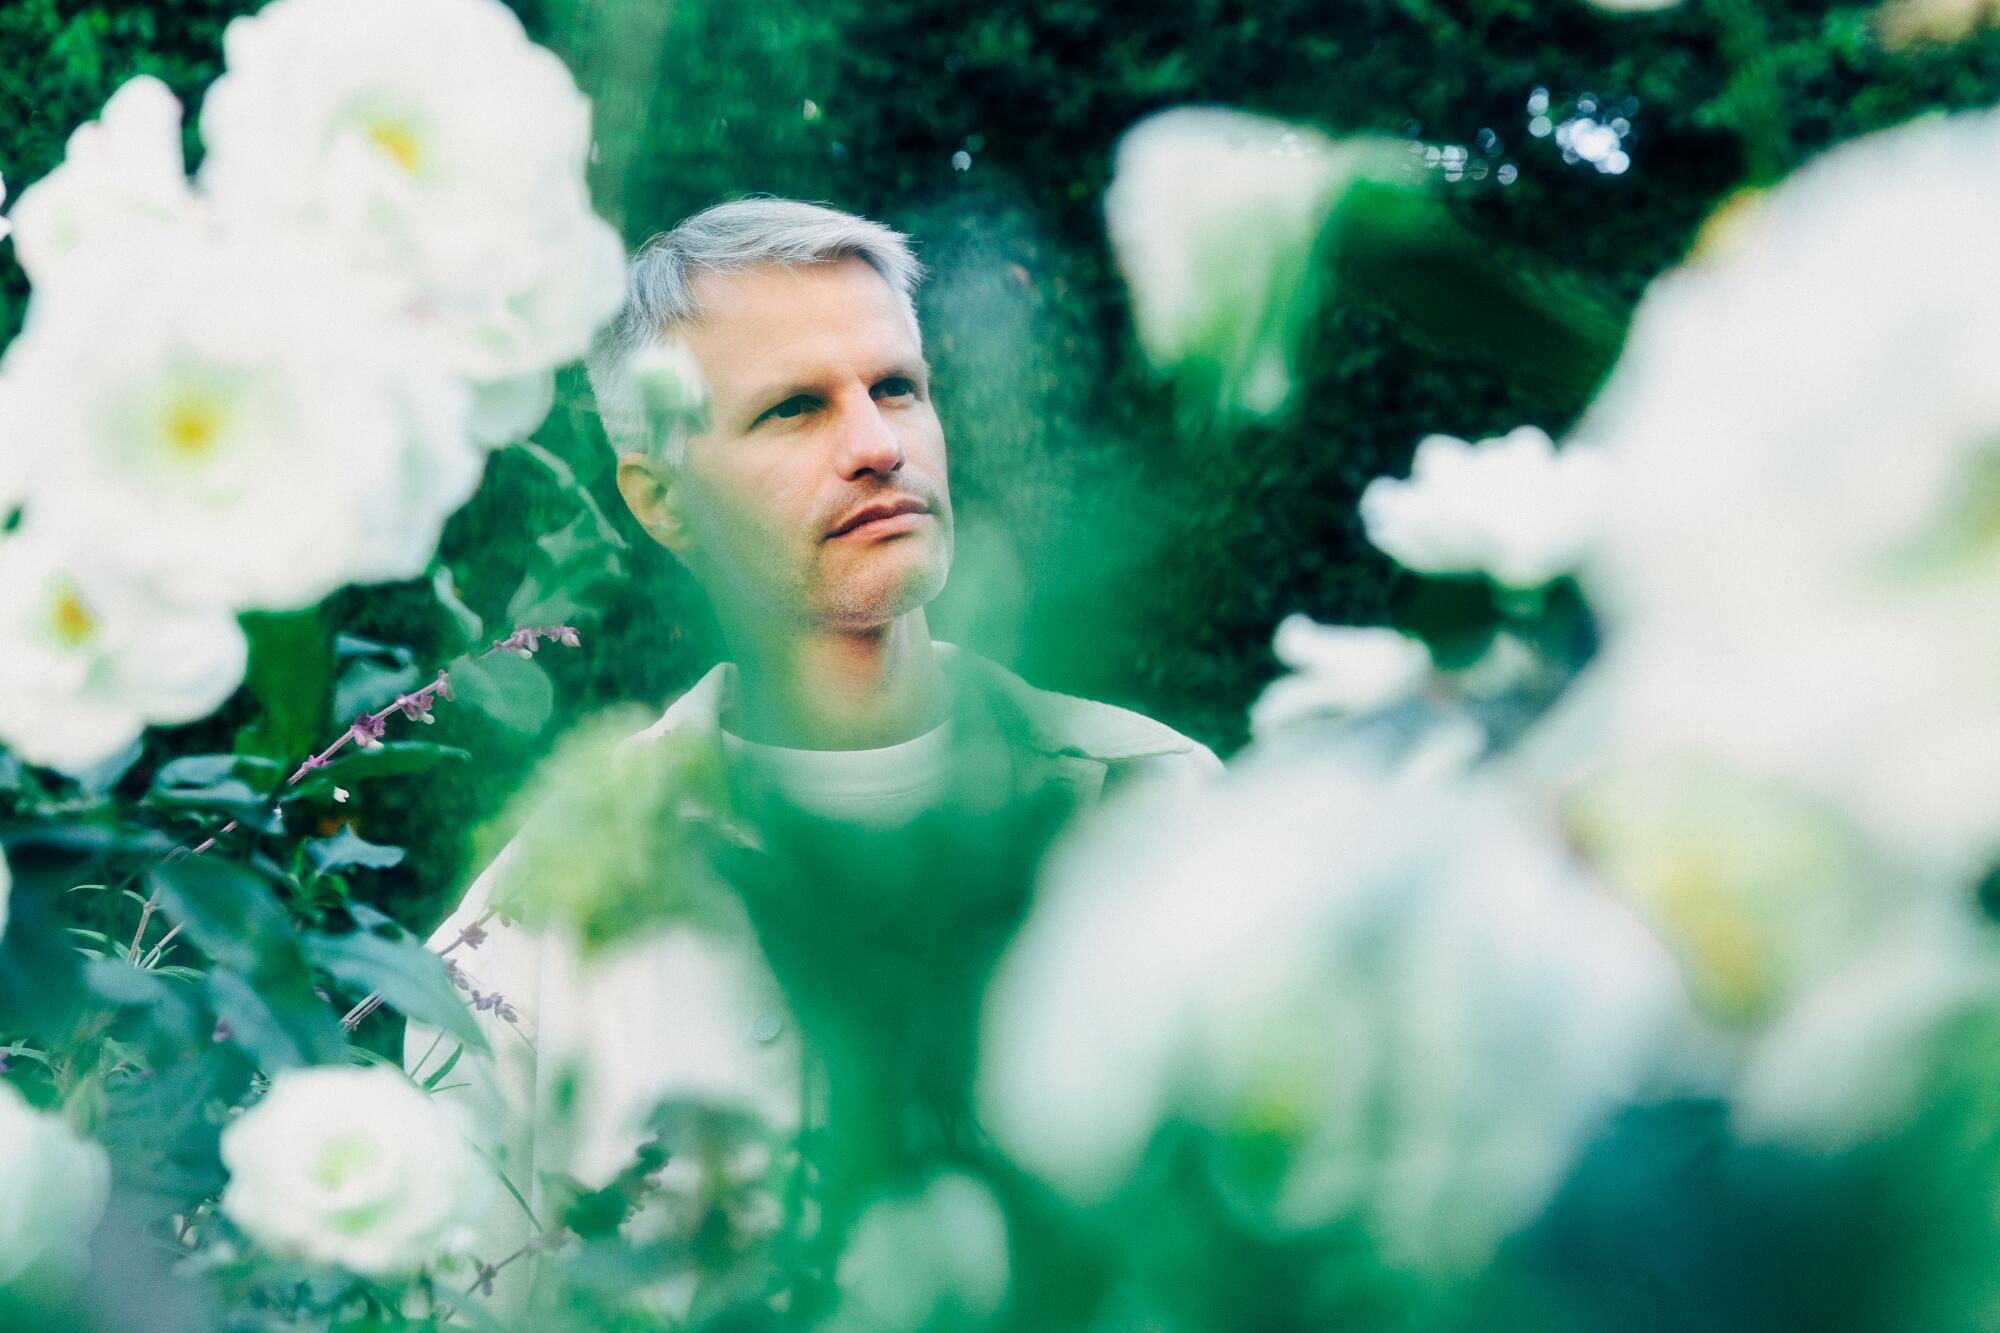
x,y
1150,554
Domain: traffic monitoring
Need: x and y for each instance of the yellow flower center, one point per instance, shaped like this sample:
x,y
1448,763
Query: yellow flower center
x,y
191,425
399,142
338,1160
1701,909
70,618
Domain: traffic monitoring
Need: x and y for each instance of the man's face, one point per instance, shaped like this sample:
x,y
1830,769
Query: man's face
x,y
820,412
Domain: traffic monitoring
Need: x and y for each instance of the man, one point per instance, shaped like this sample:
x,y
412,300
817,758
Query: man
x,y
812,505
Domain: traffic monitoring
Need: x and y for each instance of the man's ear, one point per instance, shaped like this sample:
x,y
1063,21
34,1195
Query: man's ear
x,y
654,497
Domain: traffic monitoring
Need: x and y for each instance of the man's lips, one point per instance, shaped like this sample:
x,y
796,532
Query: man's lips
x,y
899,515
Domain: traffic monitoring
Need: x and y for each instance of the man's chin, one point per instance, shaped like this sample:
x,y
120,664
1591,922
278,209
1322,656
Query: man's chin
x,y
879,595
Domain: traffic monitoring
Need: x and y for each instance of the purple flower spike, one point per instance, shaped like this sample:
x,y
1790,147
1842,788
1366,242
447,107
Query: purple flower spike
x,y
368,731
566,636
442,687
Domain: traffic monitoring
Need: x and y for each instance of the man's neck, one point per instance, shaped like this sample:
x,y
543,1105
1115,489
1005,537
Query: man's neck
x,y
824,689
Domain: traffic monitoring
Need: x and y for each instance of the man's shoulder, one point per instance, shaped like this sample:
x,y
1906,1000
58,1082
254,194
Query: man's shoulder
x,y
1069,724
1056,723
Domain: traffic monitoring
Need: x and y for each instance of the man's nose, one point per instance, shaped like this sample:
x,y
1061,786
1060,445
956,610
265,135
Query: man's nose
x,y
867,442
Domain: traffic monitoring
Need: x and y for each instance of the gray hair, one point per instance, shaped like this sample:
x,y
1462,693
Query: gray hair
x,y
659,289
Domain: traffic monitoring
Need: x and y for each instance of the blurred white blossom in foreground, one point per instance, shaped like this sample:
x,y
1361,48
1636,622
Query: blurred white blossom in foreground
x,y
1214,215
53,1190
122,183
355,1168
233,448
1513,508
1395,1004
932,1254
1858,1058
1338,671
431,143
88,658
1800,568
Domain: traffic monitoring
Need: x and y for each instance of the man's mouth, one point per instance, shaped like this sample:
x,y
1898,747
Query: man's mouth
x,y
882,519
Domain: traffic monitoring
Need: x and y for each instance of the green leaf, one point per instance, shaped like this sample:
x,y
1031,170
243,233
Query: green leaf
x,y
227,910
348,848
511,690
198,771
290,674
411,979
276,1018
468,622
371,675
391,759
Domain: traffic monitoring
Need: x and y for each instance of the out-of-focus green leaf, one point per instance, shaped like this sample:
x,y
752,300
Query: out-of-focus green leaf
x,y
348,848
197,771
511,690
1404,250
227,910
290,673
391,759
411,979
445,588
371,675
276,1018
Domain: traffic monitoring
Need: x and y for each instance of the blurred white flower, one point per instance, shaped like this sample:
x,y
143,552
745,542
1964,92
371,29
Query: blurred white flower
x,y
6,894
1850,1063
703,1000
222,420
1762,892
1396,1005
1338,671
431,143
355,1168
508,410
1214,215
123,181
672,394
53,1190
932,1253
1512,508
89,659
1800,567
6,224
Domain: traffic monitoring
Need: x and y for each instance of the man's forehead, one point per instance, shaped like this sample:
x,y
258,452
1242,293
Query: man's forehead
x,y
773,320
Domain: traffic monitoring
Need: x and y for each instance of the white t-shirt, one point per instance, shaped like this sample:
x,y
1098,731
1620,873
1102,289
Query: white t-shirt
x,y
877,788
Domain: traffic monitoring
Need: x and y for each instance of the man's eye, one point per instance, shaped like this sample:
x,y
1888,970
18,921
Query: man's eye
x,y
896,386
791,407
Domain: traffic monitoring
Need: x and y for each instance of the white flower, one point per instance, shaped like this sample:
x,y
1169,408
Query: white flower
x,y
1763,892
53,1190
355,1168
122,181
1214,215
89,659
1392,1005
703,1000
936,1251
223,421
1800,564
1338,671
431,143
6,224
508,410
1511,508
1851,1062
